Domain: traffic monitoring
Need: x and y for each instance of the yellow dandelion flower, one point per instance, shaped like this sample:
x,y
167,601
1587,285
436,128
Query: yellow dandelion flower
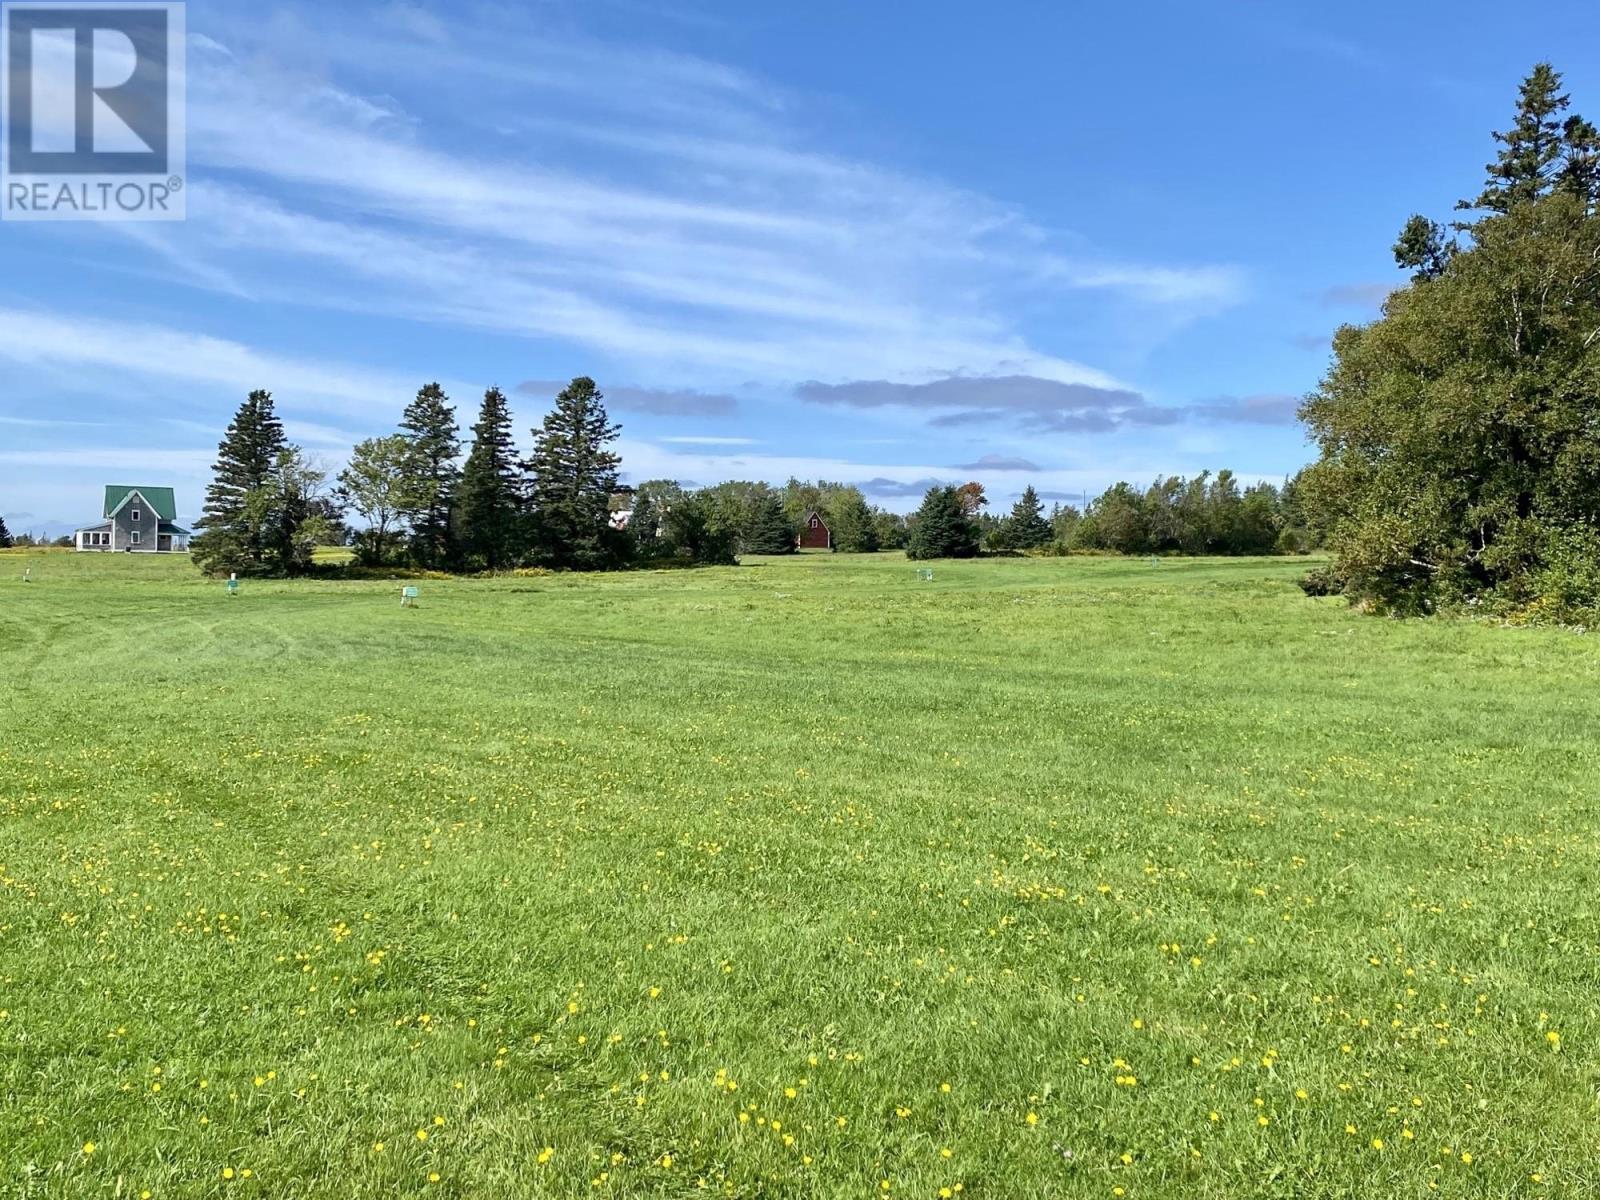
x,y
89,1147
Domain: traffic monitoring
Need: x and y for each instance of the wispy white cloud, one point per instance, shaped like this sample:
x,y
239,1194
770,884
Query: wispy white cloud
x,y
82,344
700,241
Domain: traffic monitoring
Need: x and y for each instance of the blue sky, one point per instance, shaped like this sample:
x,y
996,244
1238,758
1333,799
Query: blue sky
x,y
1043,243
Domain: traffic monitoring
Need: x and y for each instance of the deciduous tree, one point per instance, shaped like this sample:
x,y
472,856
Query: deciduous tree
x,y
377,484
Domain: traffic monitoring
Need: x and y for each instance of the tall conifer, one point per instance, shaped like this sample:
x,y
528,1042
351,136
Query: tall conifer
x,y
430,423
233,534
572,475
490,495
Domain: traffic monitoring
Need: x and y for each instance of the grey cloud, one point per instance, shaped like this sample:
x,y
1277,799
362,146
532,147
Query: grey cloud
x,y
1311,341
1044,406
1356,295
1000,393
997,462
1251,410
895,489
660,402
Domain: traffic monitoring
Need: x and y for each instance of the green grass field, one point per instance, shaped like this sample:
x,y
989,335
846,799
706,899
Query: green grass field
x,y
806,878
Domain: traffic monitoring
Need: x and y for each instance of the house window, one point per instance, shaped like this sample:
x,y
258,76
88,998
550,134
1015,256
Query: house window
x,y
134,516
135,537
815,524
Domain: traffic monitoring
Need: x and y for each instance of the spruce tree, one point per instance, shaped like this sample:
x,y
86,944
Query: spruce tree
x,y
1531,149
1027,528
941,528
854,530
572,477
1422,249
5,535
768,529
490,491
430,423
235,531
1580,161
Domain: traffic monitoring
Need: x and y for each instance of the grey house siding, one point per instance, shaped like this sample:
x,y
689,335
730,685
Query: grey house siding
x,y
145,526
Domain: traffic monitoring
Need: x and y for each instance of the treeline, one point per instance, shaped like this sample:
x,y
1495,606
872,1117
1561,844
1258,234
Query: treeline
x,y
1460,450
1208,514
417,503
408,499
269,506
748,517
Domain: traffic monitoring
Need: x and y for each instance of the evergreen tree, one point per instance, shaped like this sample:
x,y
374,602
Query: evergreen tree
x,y
1026,528
430,423
768,529
1531,150
573,476
490,492
1580,161
854,530
942,528
653,504
5,535
1422,249
234,533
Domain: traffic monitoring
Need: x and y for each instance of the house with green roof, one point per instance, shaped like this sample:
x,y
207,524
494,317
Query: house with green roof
x,y
139,520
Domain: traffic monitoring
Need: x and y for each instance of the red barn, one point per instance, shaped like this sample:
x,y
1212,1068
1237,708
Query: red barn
x,y
814,533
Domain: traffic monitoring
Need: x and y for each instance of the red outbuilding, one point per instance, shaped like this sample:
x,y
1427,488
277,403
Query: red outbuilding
x,y
814,533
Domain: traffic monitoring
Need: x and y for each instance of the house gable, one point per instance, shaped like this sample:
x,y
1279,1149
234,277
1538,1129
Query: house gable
x,y
159,499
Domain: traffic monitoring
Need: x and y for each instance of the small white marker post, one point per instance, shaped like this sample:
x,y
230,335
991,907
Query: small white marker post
x,y
27,575
925,574
233,585
408,596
